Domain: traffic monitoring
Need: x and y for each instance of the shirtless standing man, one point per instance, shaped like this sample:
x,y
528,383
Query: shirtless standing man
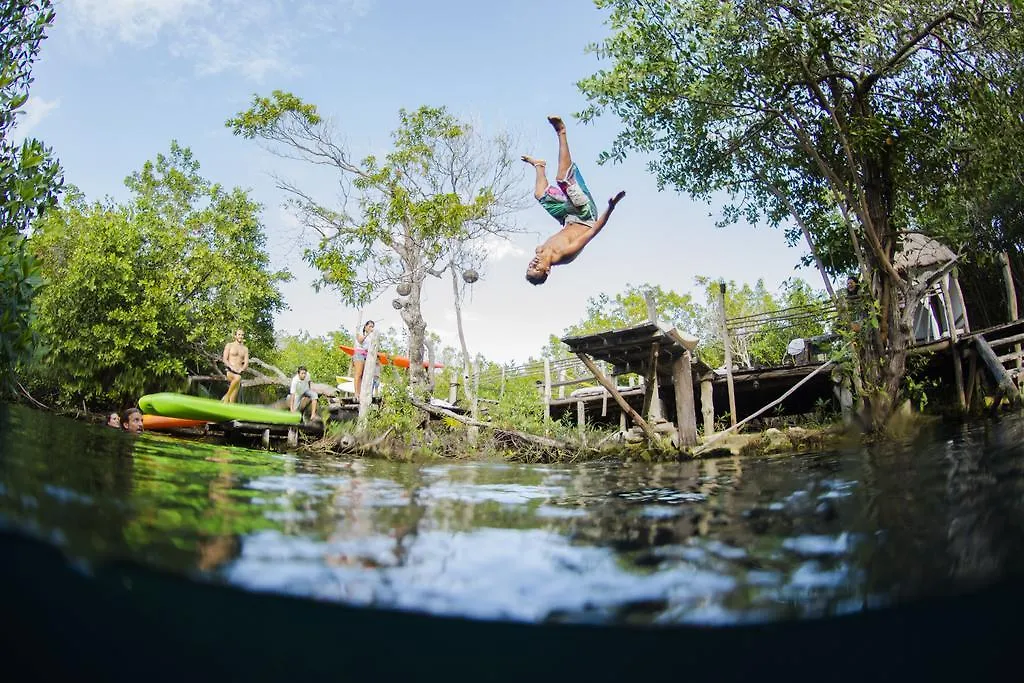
x,y
570,203
236,358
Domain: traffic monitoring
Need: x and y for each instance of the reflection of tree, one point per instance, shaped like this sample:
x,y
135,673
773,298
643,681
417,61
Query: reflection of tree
x,y
70,479
218,545
984,487
360,519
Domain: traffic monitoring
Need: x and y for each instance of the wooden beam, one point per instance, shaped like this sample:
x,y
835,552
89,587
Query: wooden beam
x,y
1002,379
686,417
1015,339
614,391
651,380
958,370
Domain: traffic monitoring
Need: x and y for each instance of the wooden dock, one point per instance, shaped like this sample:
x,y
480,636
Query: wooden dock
x,y
630,351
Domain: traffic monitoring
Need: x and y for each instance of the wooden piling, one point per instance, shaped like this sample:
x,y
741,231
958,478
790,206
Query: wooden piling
x,y
547,390
958,370
686,417
707,406
728,354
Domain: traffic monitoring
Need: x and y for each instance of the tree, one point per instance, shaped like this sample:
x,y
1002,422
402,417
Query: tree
x,y
142,294
30,179
826,113
412,211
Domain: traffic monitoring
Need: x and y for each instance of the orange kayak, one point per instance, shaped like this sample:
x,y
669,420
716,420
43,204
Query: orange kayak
x,y
384,359
159,423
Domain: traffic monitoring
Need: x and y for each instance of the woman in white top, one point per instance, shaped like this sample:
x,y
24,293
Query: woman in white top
x,y
359,357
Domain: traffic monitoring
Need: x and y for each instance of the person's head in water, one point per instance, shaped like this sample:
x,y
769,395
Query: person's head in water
x,y
114,420
538,269
132,420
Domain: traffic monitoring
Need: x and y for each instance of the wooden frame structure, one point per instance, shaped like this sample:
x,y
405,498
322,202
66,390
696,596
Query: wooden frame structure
x,y
662,355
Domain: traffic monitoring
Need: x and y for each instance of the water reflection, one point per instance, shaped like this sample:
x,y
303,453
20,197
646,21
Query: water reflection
x,y
717,541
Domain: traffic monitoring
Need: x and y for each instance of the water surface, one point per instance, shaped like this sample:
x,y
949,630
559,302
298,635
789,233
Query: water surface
x,y
711,542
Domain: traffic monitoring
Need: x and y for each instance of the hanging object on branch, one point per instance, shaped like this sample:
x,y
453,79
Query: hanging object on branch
x,y
404,289
470,276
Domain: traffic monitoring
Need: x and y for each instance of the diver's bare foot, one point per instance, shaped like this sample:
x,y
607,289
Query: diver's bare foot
x,y
557,123
533,162
616,199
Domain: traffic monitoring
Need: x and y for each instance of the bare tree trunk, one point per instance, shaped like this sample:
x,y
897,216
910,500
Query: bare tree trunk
x,y
413,318
884,346
369,374
457,298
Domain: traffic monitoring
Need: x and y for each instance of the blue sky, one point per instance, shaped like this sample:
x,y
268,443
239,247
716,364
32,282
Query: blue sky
x,y
119,79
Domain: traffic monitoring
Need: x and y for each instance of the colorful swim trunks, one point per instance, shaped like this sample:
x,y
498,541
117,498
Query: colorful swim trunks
x,y
556,201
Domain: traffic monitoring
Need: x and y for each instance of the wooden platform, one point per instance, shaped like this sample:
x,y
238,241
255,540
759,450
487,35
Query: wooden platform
x,y
629,351
266,433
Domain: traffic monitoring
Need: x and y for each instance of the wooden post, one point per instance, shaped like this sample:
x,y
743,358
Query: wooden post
x,y
430,366
604,399
599,376
547,390
453,389
960,295
651,381
265,439
707,406
1011,299
476,391
369,372
728,353
652,309
501,391
686,416
561,379
958,370
581,420
972,376
1011,291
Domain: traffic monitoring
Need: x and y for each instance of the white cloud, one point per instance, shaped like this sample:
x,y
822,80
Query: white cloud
x,y
498,248
35,110
251,37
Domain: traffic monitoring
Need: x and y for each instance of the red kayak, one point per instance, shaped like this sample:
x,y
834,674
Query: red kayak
x,y
384,359
159,423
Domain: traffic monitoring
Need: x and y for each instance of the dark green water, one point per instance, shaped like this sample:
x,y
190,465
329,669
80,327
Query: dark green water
x,y
717,541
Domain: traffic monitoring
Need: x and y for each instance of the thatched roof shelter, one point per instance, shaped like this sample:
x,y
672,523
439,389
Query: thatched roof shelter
x,y
921,252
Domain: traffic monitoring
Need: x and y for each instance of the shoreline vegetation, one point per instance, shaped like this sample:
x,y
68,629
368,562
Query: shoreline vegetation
x,y
415,431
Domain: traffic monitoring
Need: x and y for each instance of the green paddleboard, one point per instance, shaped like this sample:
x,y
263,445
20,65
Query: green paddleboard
x,y
170,404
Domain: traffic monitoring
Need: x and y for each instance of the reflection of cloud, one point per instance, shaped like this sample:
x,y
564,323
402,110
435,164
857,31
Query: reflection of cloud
x,y
251,37
35,110
498,248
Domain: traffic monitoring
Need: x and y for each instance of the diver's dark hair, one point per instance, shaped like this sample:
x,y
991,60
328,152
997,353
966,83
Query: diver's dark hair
x,y
536,279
